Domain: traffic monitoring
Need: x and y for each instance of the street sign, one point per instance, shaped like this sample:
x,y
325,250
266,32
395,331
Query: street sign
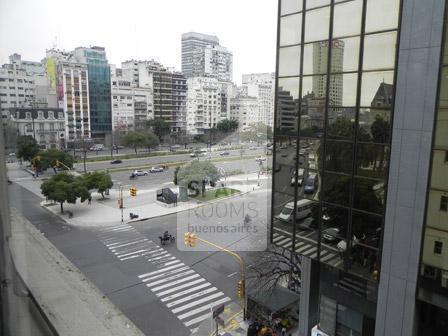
x,y
217,310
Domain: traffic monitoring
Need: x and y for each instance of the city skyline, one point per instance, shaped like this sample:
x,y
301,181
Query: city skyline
x,y
143,35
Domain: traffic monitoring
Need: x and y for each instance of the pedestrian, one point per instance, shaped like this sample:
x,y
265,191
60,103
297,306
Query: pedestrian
x,y
284,331
89,200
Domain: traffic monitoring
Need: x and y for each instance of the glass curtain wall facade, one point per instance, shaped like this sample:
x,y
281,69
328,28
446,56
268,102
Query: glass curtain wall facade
x,y
433,282
335,92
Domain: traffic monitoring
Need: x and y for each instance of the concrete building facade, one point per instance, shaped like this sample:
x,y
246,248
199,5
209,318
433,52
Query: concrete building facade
x,y
190,42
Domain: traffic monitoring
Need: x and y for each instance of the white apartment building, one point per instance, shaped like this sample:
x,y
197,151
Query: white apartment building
x,y
207,103
132,106
213,61
262,87
244,109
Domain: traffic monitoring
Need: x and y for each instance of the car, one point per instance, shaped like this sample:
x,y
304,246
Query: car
x,y
156,170
252,147
97,147
116,161
193,155
224,153
308,223
284,155
140,173
330,234
117,147
260,159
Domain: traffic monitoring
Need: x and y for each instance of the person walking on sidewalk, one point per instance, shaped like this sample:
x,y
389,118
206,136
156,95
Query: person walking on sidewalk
x,y
89,200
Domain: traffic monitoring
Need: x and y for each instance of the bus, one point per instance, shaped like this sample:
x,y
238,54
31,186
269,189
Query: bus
x,y
303,210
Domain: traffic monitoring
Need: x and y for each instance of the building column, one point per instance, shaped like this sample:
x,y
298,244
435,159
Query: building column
x,y
309,296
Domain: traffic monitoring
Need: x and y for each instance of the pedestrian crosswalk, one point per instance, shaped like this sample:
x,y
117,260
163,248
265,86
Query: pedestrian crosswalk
x,y
188,295
306,247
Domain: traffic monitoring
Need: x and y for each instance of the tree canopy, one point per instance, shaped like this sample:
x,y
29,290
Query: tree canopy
x,y
98,180
197,171
257,132
49,159
27,147
159,126
135,140
227,125
65,187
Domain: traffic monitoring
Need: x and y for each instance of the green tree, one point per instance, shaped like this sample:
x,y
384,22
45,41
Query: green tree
x,y
257,132
380,130
196,172
98,180
27,147
49,159
135,140
151,140
227,125
159,126
65,187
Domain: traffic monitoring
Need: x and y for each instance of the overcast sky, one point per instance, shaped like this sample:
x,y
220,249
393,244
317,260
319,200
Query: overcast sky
x,y
141,29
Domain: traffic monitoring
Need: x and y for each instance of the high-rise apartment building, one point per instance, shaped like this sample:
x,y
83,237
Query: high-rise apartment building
x,y
99,88
262,86
244,108
190,42
213,61
363,123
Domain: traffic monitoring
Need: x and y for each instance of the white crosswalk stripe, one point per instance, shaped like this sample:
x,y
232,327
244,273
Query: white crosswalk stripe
x,y
187,294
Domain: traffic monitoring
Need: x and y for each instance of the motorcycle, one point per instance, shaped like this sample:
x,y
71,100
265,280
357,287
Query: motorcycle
x,y
166,238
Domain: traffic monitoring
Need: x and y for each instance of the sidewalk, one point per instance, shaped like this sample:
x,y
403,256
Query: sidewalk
x,y
105,212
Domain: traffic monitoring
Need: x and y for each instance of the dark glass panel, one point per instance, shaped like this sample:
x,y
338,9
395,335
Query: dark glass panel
x,y
339,156
285,152
372,160
290,6
283,211
381,15
317,24
364,261
336,188
379,51
347,19
374,125
307,223
345,54
341,123
367,228
369,195
287,105
289,61
290,29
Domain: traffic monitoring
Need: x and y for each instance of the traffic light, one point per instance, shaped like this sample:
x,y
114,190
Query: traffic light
x,y
133,191
189,239
240,289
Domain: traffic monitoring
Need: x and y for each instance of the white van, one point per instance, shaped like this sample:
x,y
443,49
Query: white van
x,y
303,210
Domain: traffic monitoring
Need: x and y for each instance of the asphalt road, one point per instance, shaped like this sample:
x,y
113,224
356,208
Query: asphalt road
x,y
156,160
119,271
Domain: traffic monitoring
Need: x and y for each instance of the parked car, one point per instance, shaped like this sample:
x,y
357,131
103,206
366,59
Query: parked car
x,y
225,153
156,170
330,234
140,173
97,147
260,159
116,161
193,155
252,147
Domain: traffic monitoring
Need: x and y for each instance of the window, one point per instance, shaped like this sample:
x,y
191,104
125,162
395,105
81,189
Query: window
x,y
438,245
446,156
444,203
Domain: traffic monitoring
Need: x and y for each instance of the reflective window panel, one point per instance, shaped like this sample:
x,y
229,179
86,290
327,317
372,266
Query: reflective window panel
x,y
379,51
343,88
374,125
316,3
287,105
341,123
289,61
284,168
334,231
339,156
369,195
315,58
363,261
336,188
317,24
382,15
345,54
290,29
314,87
290,6
347,19
372,160
367,228
377,89
307,223
283,212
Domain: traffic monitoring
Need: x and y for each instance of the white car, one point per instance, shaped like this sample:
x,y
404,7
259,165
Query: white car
x,y
260,159
140,173
156,170
253,147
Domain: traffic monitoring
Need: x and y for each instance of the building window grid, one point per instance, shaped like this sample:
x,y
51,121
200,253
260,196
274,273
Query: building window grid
x,y
360,72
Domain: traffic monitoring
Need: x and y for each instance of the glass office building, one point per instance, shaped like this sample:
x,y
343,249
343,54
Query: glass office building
x,y
355,100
